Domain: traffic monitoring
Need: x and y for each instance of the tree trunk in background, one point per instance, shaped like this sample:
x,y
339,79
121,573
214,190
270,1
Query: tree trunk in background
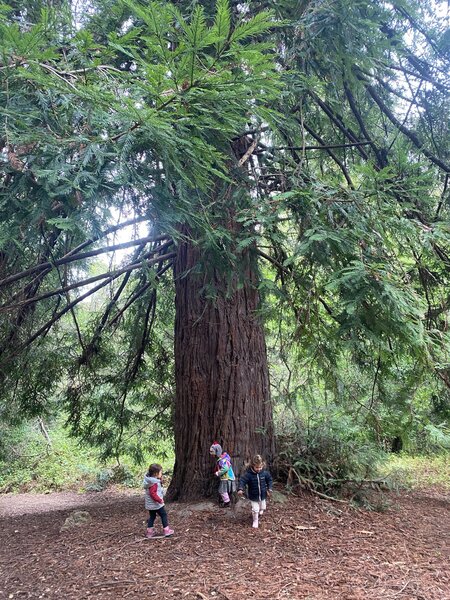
x,y
221,372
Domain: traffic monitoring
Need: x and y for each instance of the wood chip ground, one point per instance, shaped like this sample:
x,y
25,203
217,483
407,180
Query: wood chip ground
x,y
306,548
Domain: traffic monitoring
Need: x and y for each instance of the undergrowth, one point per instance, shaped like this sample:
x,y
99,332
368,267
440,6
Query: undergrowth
x,y
419,471
319,458
333,459
29,463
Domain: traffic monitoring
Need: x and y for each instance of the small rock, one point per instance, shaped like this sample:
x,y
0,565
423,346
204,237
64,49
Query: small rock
x,y
278,497
76,519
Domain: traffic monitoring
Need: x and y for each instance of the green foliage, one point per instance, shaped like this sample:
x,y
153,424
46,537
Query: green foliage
x,y
419,471
29,464
326,451
139,124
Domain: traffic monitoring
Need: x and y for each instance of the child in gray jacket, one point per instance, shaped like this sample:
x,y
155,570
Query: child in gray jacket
x,y
154,500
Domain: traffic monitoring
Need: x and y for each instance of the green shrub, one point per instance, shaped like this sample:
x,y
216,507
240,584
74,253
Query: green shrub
x,y
28,462
327,454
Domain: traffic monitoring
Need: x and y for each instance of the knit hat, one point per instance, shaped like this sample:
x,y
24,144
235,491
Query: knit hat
x,y
216,449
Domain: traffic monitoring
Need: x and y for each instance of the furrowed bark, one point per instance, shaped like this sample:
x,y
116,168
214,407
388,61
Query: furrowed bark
x,y
221,374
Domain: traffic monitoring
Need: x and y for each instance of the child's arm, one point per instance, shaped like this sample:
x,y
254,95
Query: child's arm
x,y
153,491
269,482
243,481
224,468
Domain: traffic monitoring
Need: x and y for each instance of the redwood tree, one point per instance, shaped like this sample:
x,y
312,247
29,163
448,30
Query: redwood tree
x,y
221,372
150,128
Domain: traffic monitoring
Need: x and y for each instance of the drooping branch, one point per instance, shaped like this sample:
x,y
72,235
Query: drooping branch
x,y
442,198
339,123
145,334
273,261
401,10
109,275
283,270
381,158
62,282
332,155
420,75
104,323
88,349
422,67
411,135
321,147
138,293
145,426
29,291
103,234
56,317
79,256
31,287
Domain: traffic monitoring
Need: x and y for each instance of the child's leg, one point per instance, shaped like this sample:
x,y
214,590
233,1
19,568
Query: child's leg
x,y
223,492
150,529
255,513
163,514
262,507
225,497
165,521
152,518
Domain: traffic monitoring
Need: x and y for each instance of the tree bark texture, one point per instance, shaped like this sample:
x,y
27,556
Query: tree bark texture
x,y
221,373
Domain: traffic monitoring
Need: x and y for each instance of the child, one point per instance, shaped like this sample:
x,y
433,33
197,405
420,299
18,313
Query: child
x,y
224,470
154,500
259,484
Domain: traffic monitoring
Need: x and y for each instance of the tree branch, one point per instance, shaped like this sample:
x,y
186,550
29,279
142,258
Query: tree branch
x,y
411,135
338,122
103,320
381,158
109,275
80,256
323,147
332,155
137,294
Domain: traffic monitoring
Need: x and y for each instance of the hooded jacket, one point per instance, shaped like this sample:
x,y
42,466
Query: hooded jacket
x,y
224,468
154,493
257,484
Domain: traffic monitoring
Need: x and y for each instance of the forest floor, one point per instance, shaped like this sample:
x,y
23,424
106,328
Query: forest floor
x,y
306,547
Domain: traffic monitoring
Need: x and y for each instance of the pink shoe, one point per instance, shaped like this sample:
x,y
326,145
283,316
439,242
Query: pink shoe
x,y
150,532
167,531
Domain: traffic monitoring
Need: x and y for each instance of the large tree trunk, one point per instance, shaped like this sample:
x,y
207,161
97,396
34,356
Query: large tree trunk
x,y
221,374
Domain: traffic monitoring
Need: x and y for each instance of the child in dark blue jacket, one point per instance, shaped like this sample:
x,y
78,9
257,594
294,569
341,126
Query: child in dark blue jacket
x,y
258,482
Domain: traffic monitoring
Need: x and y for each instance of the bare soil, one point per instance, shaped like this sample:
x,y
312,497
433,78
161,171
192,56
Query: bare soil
x,y
306,548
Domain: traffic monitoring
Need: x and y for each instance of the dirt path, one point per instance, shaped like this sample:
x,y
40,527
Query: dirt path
x,y
305,548
13,505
